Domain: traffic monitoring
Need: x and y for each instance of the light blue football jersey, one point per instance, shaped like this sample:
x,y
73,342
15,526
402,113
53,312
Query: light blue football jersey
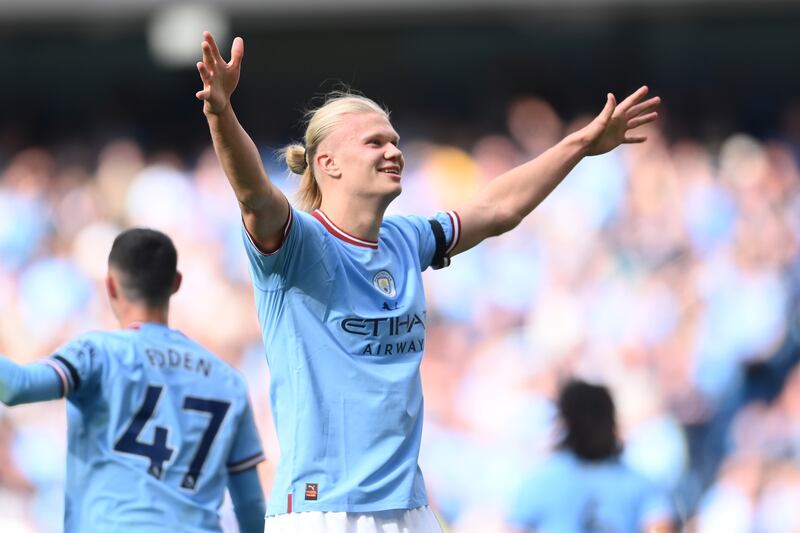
x,y
567,495
156,423
343,322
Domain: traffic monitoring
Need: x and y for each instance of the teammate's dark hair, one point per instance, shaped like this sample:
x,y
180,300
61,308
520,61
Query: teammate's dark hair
x,y
146,261
590,422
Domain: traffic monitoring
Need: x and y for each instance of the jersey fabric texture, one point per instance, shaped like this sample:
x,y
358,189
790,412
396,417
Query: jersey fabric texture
x,y
156,423
343,324
567,495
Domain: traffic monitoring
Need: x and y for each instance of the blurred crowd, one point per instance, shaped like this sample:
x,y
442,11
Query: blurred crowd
x,y
666,270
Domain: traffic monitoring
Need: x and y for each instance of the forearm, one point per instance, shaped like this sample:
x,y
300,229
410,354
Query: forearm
x,y
264,208
510,197
25,384
240,160
515,194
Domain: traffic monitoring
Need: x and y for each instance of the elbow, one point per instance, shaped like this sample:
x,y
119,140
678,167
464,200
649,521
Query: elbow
x,y
250,202
504,220
255,201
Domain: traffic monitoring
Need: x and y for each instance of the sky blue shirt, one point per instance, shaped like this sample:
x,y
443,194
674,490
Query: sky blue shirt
x,y
567,495
156,425
343,323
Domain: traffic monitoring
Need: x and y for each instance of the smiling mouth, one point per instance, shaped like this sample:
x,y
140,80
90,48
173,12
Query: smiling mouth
x,y
390,171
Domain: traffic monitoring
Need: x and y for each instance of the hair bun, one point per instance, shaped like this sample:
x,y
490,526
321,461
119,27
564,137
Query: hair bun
x,y
296,158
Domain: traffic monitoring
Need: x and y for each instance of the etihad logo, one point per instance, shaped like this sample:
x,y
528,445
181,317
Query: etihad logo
x,y
394,348
378,327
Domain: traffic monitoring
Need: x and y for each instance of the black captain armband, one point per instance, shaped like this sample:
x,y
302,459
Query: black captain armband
x,y
440,258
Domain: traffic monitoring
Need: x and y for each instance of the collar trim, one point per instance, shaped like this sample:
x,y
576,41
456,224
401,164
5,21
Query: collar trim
x,y
340,233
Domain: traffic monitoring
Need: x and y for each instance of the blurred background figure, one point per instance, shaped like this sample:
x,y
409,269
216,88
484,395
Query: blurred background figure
x,y
584,486
668,271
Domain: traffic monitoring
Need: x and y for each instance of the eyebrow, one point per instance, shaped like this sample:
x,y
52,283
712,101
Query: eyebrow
x,y
382,134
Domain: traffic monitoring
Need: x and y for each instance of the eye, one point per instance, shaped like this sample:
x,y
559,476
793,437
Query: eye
x,y
375,142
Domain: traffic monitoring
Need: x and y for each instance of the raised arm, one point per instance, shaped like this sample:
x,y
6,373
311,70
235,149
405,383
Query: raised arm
x,y
30,383
264,208
510,197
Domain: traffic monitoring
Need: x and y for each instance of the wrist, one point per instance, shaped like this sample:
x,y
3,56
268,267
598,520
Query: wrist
x,y
577,143
210,111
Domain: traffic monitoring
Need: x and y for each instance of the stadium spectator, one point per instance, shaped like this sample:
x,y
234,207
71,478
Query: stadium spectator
x,y
584,487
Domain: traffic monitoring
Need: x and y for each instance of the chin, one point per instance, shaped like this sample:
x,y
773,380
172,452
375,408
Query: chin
x,y
390,195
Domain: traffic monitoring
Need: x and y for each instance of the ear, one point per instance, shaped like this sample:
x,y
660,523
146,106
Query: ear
x,y
178,280
328,164
111,287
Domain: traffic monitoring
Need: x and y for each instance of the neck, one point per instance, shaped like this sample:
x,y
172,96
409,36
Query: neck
x,y
357,216
144,315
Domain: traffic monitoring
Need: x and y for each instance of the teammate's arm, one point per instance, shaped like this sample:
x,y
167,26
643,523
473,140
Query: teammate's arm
x,y
35,382
264,208
510,197
248,500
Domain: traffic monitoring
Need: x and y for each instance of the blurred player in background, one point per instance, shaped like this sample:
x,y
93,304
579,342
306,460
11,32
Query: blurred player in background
x,y
584,487
339,293
158,426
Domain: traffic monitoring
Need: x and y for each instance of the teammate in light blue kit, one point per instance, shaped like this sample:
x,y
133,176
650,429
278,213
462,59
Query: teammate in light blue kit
x,y
584,487
339,294
158,426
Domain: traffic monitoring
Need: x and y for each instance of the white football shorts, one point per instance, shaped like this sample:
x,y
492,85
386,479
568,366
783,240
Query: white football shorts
x,y
419,520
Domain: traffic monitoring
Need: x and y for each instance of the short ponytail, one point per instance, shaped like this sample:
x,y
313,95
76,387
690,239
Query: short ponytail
x,y
308,196
295,156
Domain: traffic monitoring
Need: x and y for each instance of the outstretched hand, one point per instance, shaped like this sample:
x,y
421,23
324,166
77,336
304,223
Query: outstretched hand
x,y
613,125
219,78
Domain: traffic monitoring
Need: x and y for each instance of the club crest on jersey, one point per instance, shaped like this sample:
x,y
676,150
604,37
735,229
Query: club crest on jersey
x,y
384,282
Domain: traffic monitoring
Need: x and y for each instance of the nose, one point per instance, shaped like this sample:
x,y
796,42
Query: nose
x,y
393,152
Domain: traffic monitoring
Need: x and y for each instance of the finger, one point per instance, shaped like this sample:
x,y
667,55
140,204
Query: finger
x,y
237,52
213,45
208,58
205,74
608,110
635,139
633,98
205,94
642,119
644,107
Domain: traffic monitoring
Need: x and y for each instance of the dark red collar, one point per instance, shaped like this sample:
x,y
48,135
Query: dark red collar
x,y
341,234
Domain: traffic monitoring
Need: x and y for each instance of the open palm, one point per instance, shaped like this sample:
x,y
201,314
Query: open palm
x,y
613,125
219,77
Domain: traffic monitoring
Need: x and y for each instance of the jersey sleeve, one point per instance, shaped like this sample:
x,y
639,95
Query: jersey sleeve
x,y
447,239
275,269
246,451
26,384
79,366
248,501
435,237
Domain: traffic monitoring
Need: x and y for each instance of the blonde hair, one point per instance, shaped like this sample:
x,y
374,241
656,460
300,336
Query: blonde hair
x,y
321,122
